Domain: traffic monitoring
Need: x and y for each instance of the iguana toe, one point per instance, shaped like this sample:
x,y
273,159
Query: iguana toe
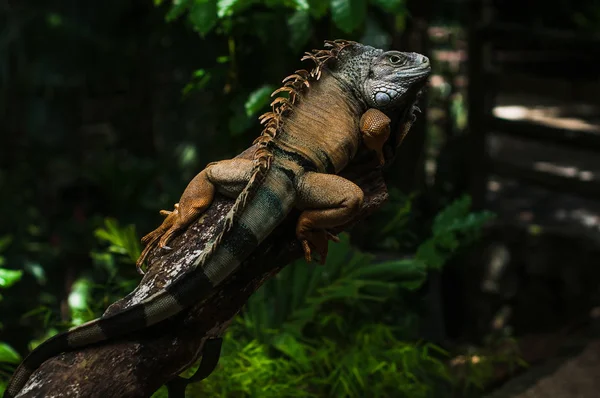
x,y
319,241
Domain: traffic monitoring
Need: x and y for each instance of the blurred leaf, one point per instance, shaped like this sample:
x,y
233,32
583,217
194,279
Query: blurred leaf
x,y
348,15
318,8
299,28
78,301
410,273
9,277
177,9
301,5
203,14
8,354
289,345
47,334
258,99
200,78
228,7
393,6
5,241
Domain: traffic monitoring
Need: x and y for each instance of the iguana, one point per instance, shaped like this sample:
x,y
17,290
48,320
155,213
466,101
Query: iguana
x,y
349,98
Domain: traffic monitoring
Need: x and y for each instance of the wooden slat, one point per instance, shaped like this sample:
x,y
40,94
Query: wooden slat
x,y
549,181
524,129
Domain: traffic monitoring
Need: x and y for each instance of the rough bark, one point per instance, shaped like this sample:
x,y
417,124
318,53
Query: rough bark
x,y
139,365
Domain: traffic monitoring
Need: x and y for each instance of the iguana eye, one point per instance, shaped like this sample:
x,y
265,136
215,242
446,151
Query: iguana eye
x,y
395,59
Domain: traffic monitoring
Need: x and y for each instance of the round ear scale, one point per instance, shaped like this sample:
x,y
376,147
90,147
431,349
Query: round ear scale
x,y
375,127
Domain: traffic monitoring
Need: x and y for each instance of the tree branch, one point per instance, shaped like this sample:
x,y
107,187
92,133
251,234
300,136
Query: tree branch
x,y
139,365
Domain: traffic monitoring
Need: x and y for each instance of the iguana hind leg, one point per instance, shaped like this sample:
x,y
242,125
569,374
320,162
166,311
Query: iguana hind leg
x,y
327,201
228,177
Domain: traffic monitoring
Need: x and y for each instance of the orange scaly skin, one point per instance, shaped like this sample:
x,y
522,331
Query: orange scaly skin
x,y
231,174
313,139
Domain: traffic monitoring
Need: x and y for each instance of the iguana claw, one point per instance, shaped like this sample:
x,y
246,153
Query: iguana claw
x,y
320,241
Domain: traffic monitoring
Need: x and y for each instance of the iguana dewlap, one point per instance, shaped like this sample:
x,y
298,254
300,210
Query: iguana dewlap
x,y
349,99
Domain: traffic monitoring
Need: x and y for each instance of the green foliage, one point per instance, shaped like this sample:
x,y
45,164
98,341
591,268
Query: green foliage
x,y
122,240
317,331
8,278
297,296
453,227
258,99
347,15
8,354
372,362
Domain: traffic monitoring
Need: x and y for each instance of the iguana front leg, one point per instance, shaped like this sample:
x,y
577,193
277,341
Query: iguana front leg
x,y
375,127
328,201
227,176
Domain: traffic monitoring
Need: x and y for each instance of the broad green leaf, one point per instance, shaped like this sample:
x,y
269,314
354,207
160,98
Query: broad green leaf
x,y
203,15
348,15
8,354
226,7
301,5
299,29
9,277
258,99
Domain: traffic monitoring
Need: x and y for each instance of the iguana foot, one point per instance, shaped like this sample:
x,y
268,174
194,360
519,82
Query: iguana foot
x,y
319,240
231,176
153,237
375,127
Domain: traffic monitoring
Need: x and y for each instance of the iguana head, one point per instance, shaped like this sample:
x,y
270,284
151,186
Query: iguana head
x,y
390,81
385,80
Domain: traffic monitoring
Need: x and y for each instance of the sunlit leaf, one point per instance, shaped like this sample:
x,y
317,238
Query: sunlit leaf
x,y
8,354
258,99
301,5
227,7
9,277
78,301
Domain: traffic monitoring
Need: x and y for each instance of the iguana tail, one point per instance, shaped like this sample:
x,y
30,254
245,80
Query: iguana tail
x,y
262,205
